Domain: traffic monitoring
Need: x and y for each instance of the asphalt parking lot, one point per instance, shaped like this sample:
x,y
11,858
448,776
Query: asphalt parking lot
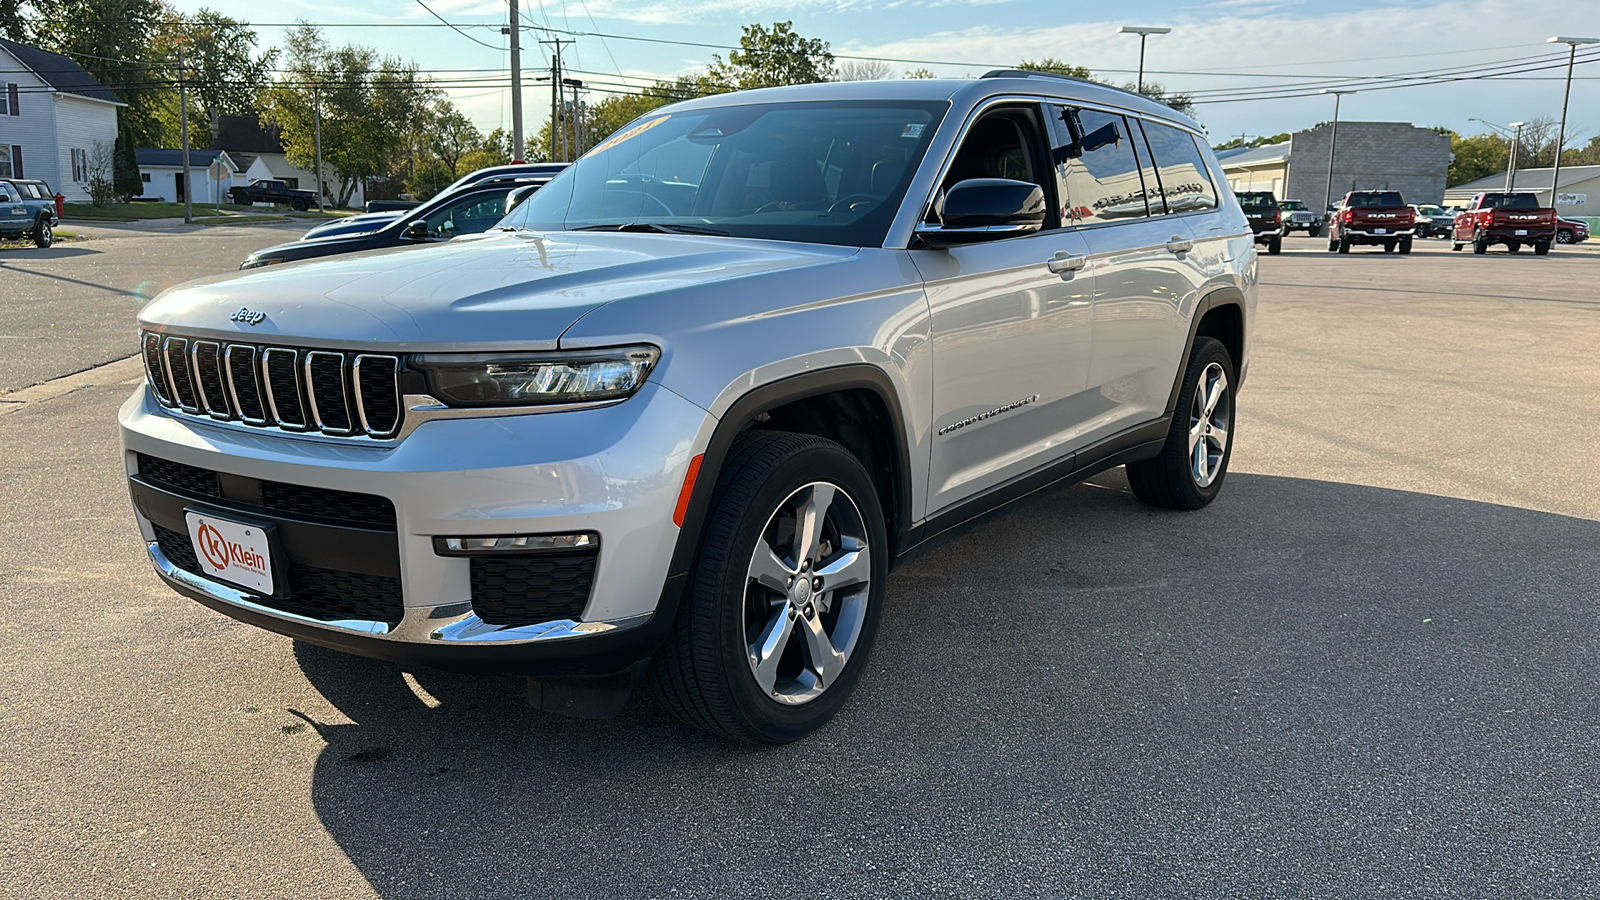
x,y
1368,670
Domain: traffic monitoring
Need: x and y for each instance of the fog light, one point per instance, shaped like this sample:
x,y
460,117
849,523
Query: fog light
x,y
514,543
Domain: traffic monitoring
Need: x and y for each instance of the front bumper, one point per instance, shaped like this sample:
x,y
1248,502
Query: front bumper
x,y
613,471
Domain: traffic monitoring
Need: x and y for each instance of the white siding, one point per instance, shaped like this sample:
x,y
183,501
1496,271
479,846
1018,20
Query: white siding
x,y
277,165
35,129
80,122
163,184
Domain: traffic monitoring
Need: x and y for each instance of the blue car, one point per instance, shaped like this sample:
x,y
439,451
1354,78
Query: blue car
x,y
27,209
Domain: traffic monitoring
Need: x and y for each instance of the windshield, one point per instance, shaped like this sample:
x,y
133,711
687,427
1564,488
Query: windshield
x,y
1293,205
1430,210
1510,201
824,172
1376,198
1257,200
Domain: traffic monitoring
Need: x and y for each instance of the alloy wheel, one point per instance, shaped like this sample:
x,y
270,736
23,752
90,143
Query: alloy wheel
x,y
1208,425
806,593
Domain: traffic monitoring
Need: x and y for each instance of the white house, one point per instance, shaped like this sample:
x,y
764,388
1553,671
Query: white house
x,y
161,171
257,150
52,116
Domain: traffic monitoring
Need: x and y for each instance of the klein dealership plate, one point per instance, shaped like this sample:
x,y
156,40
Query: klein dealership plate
x,y
232,551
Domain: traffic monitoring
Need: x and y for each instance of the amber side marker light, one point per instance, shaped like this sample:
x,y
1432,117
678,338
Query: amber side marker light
x,y
688,489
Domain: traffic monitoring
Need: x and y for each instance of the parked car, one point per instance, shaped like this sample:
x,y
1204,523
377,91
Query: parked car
x,y
473,204
363,223
272,191
27,209
1379,218
690,403
1571,231
1299,217
1432,220
1266,218
1512,218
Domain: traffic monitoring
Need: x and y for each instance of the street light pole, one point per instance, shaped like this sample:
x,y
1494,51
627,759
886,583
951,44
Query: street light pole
x,y
1516,144
1561,135
1143,32
1333,143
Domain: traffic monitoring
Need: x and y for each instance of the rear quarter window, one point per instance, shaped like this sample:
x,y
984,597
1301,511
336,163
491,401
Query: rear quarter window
x,y
1181,168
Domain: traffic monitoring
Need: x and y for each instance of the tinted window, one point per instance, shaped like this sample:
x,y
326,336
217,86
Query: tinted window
x,y
471,214
1181,168
1101,183
1375,198
6,194
1256,200
1292,204
1510,201
824,172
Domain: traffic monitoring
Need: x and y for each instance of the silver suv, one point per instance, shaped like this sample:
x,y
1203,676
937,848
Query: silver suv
x,y
690,404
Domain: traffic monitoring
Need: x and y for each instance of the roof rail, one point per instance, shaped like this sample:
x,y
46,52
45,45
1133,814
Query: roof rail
x,y
1032,73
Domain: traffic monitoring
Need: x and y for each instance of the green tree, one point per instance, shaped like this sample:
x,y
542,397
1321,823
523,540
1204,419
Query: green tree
x,y
922,72
770,58
450,136
223,72
16,20
369,105
1051,64
112,40
1478,156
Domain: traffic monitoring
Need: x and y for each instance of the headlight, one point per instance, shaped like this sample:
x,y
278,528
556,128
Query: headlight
x,y
256,263
533,379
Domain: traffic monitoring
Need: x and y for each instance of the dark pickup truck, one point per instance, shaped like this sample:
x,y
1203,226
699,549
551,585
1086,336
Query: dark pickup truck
x,y
269,191
1266,218
1371,217
1512,219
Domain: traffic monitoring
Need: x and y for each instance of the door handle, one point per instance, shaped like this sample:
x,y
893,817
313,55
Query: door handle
x,y
1064,263
1180,245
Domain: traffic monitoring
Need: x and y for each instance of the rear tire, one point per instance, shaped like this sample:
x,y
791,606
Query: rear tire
x,y
1275,246
1344,245
1404,246
1189,475
1456,246
1541,249
1513,247
43,234
1480,244
743,594
1333,245
1388,246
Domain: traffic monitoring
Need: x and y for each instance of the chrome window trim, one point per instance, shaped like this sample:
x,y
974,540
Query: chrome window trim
x,y
361,401
233,390
272,400
311,393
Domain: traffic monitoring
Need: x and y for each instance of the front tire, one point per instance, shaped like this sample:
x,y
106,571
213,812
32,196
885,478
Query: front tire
x,y
1344,245
785,595
1188,472
1275,246
1566,237
43,234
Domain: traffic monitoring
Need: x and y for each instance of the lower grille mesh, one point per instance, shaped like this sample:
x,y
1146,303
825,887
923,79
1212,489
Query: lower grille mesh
x,y
527,590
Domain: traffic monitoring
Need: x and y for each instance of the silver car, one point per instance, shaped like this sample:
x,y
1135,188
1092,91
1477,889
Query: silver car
x,y
686,408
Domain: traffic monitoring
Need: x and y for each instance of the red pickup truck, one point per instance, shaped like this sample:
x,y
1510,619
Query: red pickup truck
x,y
1371,217
1512,219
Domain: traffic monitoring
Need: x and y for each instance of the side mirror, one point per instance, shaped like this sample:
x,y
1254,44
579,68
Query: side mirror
x,y
985,209
418,231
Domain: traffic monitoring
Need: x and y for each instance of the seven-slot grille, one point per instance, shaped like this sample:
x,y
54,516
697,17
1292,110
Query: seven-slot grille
x,y
344,394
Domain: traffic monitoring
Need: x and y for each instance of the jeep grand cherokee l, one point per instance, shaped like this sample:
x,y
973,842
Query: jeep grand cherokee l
x,y
685,409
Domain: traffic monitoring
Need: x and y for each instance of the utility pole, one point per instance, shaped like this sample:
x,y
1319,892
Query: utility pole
x,y
576,114
316,114
1511,170
1333,143
515,31
556,91
183,125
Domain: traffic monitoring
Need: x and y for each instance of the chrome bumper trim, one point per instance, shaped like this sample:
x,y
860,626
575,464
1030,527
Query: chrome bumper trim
x,y
451,623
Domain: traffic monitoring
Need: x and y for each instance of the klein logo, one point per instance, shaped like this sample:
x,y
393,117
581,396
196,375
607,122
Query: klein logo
x,y
248,316
221,553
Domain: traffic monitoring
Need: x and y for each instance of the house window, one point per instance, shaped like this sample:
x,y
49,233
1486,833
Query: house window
x,y
10,103
80,166
5,161
144,177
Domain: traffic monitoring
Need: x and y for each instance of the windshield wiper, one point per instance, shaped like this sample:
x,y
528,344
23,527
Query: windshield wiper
x,y
653,227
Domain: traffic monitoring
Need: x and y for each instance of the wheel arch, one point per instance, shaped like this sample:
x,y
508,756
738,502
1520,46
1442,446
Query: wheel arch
x,y
855,405
1220,314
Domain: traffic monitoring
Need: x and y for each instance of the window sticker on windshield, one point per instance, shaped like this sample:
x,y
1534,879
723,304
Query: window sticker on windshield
x,y
633,132
914,130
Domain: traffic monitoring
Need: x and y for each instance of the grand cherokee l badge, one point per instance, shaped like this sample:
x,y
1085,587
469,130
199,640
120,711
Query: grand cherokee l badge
x,y
248,317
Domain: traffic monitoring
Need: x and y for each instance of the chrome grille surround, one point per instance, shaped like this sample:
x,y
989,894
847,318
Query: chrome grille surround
x,y
320,392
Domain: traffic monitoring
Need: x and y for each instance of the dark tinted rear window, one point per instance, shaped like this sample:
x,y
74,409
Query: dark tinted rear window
x,y
1292,204
1510,201
1376,198
1257,200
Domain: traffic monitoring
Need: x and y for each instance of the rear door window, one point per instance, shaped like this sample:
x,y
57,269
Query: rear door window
x,y
1181,171
1098,177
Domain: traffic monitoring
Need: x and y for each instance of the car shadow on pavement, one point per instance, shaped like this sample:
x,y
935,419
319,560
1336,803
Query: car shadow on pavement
x,y
12,254
1309,686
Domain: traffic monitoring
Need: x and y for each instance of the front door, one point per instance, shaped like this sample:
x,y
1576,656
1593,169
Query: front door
x,y
1010,336
181,189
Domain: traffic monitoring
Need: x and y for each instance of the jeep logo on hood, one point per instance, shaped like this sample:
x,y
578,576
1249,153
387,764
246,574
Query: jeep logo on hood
x,y
247,316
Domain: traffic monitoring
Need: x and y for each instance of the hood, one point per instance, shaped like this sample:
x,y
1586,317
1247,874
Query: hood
x,y
500,291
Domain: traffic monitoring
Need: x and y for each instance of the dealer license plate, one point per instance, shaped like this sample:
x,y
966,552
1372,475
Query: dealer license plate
x,y
1521,232
232,551
1380,231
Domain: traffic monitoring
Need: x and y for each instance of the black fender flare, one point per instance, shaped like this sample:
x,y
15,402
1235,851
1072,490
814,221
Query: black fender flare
x,y
1225,295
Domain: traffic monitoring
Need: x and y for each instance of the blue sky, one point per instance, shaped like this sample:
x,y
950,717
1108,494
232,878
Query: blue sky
x,y
1214,45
